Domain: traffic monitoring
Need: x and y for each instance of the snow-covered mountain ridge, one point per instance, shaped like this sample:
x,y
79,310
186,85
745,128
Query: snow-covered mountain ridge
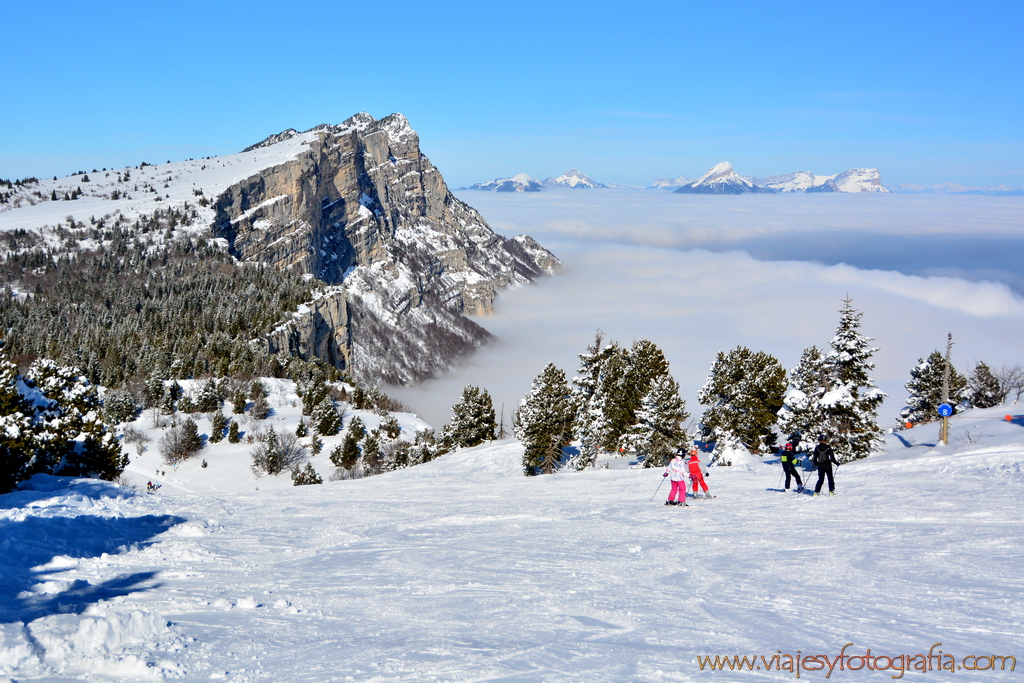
x,y
355,205
524,183
722,179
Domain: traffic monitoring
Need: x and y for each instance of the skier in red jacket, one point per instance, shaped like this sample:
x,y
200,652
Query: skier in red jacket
x,y
697,475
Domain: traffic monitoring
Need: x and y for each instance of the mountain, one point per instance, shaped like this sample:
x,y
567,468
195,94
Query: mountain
x,y
799,181
720,179
393,261
517,183
852,181
670,183
572,178
954,188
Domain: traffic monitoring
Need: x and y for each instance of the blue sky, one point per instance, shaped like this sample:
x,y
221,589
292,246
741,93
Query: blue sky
x,y
928,92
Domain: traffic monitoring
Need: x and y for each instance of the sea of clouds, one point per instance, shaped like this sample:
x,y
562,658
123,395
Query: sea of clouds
x,y
698,275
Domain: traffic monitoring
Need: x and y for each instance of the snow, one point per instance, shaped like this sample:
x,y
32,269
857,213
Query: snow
x,y
227,464
212,176
464,570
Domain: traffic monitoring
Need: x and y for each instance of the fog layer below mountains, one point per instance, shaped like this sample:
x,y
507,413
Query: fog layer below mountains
x,y
698,275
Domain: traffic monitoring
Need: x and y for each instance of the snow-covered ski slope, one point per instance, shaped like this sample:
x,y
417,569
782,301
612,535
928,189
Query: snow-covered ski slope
x,y
463,570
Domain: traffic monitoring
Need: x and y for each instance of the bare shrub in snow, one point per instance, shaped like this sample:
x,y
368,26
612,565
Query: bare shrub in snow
x,y
180,442
276,453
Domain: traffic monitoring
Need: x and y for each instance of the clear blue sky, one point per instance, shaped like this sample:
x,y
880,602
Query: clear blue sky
x,y
927,91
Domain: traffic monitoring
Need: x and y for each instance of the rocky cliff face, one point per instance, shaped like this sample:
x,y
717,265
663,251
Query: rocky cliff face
x,y
363,210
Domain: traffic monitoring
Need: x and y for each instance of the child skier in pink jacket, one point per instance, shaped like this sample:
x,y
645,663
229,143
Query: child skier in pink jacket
x,y
677,471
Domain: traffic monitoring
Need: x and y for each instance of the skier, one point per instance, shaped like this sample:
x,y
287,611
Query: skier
x,y
677,471
697,475
824,457
788,457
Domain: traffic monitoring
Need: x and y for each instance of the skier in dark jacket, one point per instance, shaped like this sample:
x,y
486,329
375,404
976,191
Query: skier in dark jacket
x,y
824,457
788,457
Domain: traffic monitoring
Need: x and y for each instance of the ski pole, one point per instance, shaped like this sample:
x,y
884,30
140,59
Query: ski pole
x,y
657,489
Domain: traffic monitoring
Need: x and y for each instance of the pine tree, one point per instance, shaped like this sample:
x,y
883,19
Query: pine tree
x,y
925,390
546,412
233,432
425,447
802,416
209,398
372,456
851,405
217,426
658,431
744,393
238,403
389,426
316,444
983,388
472,420
313,393
347,455
588,399
325,418
16,430
300,429
305,476
260,408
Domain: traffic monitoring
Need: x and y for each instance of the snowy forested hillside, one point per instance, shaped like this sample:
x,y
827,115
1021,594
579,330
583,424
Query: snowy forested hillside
x,y
354,254
463,570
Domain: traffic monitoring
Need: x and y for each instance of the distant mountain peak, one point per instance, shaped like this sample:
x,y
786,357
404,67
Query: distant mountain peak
x,y
572,178
521,182
720,179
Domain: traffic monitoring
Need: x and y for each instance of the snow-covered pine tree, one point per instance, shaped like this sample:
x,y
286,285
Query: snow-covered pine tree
x,y
305,476
544,413
208,399
472,420
347,455
851,405
802,417
325,418
313,393
658,431
588,403
425,447
743,393
16,432
119,406
983,389
233,436
925,390
389,427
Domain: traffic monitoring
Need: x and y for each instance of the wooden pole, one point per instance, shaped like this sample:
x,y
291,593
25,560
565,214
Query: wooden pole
x,y
944,436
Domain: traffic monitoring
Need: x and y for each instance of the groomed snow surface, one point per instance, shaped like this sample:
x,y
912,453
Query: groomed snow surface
x,y
464,570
